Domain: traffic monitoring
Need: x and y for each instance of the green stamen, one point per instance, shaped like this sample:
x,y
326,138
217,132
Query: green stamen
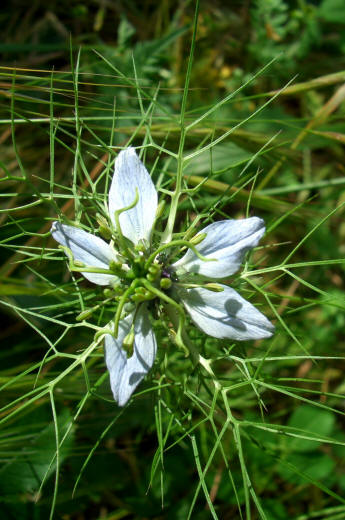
x,y
174,243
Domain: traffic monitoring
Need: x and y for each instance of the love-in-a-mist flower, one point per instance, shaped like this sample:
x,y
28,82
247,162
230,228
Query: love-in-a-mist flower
x,y
140,273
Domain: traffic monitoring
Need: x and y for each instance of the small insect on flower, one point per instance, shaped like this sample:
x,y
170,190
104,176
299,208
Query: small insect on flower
x,y
142,272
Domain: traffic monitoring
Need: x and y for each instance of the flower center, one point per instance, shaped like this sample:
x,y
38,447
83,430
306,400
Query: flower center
x,y
170,274
141,279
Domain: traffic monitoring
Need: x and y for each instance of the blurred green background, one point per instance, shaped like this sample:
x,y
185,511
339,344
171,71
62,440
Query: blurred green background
x,y
301,172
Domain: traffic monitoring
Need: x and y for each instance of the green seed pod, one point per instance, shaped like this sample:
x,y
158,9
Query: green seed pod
x,y
151,277
165,283
108,293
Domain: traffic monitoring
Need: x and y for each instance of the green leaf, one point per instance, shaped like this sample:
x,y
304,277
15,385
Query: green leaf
x,y
24,474
316,466
223,157
274,510
332,11
311,420
124,32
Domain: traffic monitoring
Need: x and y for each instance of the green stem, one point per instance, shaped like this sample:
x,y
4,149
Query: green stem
x,y
168,232
197,358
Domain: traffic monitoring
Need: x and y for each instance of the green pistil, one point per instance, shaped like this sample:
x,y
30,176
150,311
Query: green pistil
x,y
117,214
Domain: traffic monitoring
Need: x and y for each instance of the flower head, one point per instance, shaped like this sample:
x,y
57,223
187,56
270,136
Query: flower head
x,y
130,262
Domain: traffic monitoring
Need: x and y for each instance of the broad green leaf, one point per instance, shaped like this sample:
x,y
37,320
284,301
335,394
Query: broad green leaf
x,y
24,473
311,420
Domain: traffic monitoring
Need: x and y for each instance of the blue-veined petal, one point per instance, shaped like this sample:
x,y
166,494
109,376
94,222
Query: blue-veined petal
x,y
225,314
130,174
86,248
227,241
127,373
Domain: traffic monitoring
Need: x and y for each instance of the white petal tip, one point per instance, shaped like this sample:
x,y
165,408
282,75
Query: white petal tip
x,y
55,226
127,373
226,315
127,152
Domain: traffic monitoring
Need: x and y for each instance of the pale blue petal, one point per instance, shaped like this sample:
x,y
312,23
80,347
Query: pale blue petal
x,y
130,174
225,314
86,248
127,373
227,241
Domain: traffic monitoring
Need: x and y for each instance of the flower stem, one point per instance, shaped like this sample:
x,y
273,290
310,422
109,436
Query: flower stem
x,y
168,232
197,358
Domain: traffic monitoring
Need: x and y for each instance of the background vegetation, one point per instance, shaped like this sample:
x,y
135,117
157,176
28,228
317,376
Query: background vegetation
x,y
79,79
